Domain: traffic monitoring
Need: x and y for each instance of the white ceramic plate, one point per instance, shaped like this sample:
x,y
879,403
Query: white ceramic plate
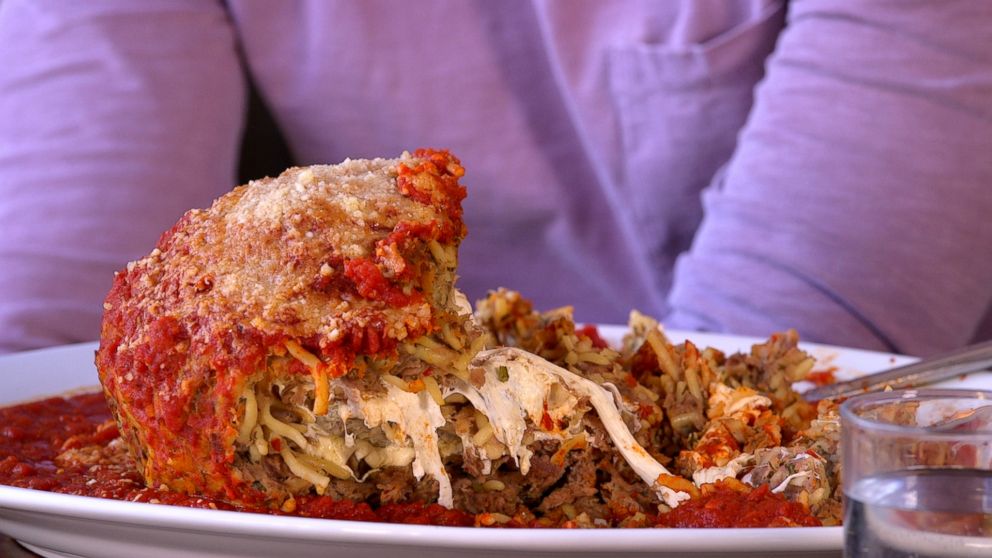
x,y
74,526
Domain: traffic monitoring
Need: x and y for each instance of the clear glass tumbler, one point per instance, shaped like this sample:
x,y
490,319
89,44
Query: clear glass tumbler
x,y
917,473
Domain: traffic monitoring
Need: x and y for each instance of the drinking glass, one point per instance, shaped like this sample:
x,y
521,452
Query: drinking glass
x,y
917,474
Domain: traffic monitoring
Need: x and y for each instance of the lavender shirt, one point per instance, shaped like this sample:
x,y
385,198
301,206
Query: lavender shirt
x,y
618,153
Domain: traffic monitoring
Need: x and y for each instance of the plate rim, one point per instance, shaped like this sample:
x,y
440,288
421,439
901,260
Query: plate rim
x,y
257,525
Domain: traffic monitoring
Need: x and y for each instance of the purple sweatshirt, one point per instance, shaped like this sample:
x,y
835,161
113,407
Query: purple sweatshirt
x,y
715,163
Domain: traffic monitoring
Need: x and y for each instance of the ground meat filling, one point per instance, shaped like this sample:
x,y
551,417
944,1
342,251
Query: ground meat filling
x,y
280,456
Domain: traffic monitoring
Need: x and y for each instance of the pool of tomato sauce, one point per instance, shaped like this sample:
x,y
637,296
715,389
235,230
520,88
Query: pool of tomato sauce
x,y
33,434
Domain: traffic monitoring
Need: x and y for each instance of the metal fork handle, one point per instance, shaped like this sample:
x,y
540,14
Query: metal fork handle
x,y
972,358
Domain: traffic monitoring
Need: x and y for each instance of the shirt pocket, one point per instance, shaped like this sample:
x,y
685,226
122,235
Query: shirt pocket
x,y
679,109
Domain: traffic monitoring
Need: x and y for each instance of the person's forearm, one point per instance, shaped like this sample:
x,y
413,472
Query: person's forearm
x,y
856,206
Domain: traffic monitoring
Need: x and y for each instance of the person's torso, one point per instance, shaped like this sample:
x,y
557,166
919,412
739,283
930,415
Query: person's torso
x,y
587,128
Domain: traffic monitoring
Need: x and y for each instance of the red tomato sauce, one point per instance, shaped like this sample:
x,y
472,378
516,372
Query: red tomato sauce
x,y
34,434
592,332
723,506
823,377
36,438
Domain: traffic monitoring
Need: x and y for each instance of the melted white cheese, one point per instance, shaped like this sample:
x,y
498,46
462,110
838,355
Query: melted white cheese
x,y
788,480
736,400
521,395
462,305
712,474
537,374
334,449
409,419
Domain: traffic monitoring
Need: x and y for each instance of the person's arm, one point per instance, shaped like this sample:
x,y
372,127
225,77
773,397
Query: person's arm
x,y
115,117
857,205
